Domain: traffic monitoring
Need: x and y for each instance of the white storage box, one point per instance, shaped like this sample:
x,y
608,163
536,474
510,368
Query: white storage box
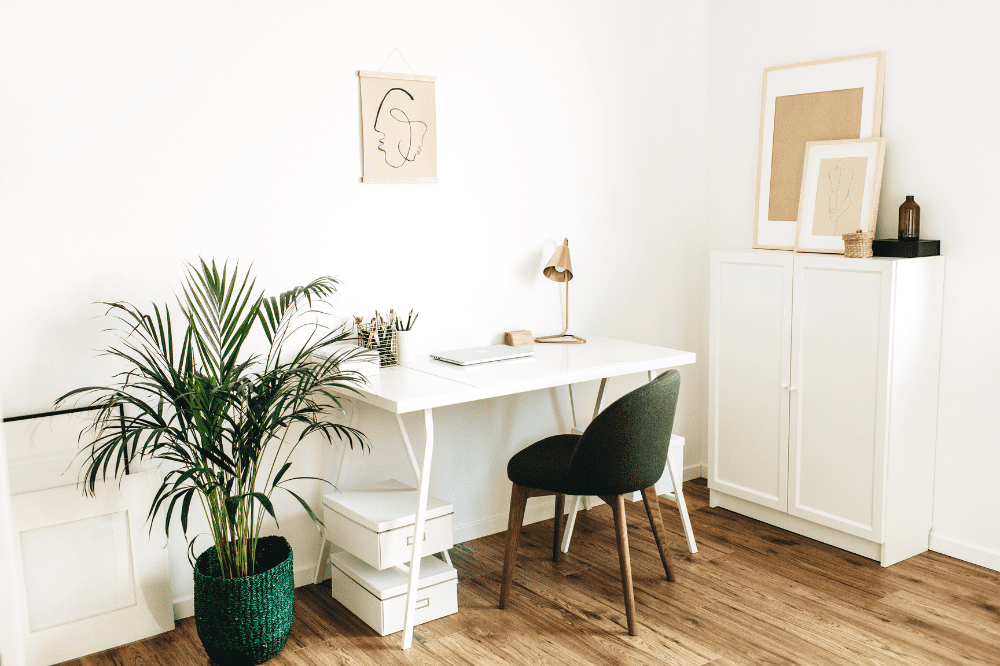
x,y
375,524
379,597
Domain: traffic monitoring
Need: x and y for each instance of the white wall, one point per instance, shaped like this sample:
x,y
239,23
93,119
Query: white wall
x,y
943,138
138,136
11,622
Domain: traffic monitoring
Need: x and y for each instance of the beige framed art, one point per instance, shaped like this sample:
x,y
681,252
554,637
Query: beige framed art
x,y
841,182
398,128
824,100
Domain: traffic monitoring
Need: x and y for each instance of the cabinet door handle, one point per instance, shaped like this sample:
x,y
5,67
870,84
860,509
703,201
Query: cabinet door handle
x,y
792,388
422,603
409,539
784,386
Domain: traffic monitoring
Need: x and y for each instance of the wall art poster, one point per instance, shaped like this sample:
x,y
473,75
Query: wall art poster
x,y
841,182
398,128
824,100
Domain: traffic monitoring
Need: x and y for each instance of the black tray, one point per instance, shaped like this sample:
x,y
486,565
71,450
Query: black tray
x,y
892,247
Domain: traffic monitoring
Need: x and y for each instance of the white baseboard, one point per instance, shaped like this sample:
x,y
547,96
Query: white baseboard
x,y
184,607
538,509
963,550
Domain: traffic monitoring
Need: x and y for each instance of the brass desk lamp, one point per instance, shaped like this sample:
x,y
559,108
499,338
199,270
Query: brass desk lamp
x,y
560,269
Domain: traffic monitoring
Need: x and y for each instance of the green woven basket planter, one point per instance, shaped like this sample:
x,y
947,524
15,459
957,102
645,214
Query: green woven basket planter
x,y
245,621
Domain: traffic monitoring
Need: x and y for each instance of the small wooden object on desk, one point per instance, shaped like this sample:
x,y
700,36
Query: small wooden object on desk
x,y
518,338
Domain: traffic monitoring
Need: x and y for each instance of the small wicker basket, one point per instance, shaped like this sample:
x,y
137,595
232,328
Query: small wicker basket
x,y
859,244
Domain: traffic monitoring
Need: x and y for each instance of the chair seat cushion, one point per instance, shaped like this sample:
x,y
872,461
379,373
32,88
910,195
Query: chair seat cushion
x,y
545,464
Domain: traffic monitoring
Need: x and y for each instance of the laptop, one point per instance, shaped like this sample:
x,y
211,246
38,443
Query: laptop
x,y
482,354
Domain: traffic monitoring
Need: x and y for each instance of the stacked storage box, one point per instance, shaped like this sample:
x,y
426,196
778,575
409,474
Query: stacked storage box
x,y
373,528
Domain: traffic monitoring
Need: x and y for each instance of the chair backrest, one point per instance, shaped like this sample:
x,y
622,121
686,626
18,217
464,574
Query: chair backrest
x,y
625,448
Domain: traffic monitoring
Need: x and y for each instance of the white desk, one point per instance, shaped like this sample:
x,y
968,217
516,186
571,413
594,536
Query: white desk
x,y
424,384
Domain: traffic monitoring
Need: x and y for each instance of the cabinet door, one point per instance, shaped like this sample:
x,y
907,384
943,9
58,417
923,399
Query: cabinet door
x,y
840,342
750,330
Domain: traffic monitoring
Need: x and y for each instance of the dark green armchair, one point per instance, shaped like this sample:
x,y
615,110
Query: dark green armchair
x,y
624,450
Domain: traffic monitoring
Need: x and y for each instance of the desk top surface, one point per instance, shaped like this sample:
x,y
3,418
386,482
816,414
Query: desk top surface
x,y
425,383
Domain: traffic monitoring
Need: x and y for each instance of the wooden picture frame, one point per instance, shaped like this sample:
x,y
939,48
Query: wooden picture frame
x,y
823,100
841,183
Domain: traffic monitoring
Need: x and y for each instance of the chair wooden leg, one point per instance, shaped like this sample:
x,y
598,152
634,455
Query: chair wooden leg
x,y
518,500
621,530
656,522
557,529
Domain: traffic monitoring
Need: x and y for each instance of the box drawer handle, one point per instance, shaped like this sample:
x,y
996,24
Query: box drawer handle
x,y
422,603
409,539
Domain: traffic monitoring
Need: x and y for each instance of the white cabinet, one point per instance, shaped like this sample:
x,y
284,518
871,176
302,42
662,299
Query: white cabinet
x,y
823,383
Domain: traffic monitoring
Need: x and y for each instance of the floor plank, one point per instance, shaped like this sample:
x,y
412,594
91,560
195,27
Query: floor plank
x,y
753,594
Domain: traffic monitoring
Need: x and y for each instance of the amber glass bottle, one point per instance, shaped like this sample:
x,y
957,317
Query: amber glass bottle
x,y
909,220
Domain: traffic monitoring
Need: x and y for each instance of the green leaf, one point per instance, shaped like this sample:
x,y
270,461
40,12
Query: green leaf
x,y
305,505
184,510
198,397
281,472
263,499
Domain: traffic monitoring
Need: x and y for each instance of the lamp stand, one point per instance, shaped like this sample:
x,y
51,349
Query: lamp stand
x,y
575,340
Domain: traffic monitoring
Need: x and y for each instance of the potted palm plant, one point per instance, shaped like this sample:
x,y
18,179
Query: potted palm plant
x,y
225,419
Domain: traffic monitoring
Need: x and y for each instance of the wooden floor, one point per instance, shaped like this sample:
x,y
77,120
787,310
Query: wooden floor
x,y
753,594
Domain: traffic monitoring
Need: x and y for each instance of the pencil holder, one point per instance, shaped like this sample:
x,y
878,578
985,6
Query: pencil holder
x,y
404,346
380,338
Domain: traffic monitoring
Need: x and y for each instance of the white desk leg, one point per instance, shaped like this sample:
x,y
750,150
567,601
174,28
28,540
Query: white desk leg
x,y
324,549
677,480
409,449
600,398
418,529
572,406
575,505
574,500
416,468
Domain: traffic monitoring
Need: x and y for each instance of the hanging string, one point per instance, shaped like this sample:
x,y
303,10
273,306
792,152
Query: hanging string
x,y
401,58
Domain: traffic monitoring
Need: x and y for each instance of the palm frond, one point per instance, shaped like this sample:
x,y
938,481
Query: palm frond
x,y
219,413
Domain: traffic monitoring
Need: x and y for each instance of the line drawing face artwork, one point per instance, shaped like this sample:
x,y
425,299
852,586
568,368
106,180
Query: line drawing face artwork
x,y
839,195
398,128
402,138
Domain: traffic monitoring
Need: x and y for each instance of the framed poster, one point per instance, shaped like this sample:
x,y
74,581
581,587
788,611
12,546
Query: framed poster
x,y
825,100
398,128
841,182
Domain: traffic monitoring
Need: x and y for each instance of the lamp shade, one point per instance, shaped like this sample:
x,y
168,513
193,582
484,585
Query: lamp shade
x,y
559,268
